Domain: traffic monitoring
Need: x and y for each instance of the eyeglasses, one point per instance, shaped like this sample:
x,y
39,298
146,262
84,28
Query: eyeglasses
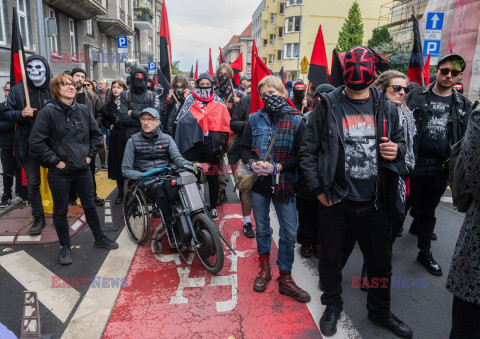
x,y
87,85
149,120
398,88
445,71
65,84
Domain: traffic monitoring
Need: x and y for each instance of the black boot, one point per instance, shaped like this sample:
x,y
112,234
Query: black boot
x,y
392,323
106,243
426,260
65,256
38,225
119,198
328,322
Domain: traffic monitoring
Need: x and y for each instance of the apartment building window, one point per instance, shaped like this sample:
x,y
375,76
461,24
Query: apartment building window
x,y
150,44
293,24
249,69
294,2
73,43
22,18
280,31
249,55
90,27
279,55
265,24
282,9
271,58
273,18
291,51
3,39
158,23
264,60
53,39
265,43
104,51
272,39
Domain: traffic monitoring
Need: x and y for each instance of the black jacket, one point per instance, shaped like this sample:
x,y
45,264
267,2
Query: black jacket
x,y
322,154
7,129
418,100
240,115
39,97
168,115
82,138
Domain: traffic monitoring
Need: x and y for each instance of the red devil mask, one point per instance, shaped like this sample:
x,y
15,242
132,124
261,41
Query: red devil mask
x,y
359,69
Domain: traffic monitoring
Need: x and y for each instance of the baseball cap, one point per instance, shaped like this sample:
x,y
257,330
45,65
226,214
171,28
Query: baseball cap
x,y
152,111
452,57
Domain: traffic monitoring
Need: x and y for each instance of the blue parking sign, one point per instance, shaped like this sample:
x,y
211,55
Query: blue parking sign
x,y
431,47
435,20
122,42
152,66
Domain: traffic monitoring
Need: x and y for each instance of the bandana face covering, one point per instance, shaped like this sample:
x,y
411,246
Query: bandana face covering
x,y
204,94
223,83
359,68
139,83
273,103
179,94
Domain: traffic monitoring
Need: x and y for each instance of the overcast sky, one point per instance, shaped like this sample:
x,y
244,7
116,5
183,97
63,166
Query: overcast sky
x,y
197,25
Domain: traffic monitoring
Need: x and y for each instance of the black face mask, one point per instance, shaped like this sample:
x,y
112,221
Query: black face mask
x,y
179,94
139,84
273,103
223,83
204,94
298,95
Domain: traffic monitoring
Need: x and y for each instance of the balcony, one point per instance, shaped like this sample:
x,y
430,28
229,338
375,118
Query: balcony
x,y
142,18
79,9
115,23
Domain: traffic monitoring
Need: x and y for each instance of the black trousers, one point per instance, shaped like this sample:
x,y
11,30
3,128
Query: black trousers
x,y
203,152
427,185
60,182
371,228
11,170
307,233
93,169
32,172
465,320
165,195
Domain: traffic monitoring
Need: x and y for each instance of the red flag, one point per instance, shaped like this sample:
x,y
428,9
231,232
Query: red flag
x,y
165,44
17,45
451,48
415,68
196,71
237,67
426,71
318,72
221,59
210,65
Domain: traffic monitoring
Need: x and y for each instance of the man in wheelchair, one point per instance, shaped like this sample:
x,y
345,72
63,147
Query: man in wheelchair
x,y
151,149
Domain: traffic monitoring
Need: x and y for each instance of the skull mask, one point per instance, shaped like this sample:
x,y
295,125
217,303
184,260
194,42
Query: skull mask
x,y
37,72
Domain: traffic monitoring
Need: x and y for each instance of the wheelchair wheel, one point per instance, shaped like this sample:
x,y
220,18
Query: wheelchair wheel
x,y
136,216
210,251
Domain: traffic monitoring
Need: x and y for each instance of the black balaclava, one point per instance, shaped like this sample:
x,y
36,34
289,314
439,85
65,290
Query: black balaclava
x,y
139,85
359,68
299,91
179,94
223,83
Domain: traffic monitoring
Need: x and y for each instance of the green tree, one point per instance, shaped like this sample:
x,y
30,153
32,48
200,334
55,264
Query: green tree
x,y
176,69
379,36
351,34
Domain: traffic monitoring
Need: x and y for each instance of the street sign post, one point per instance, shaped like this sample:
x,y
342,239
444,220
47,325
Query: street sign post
x,y
152,66
304,65
433,36
122,44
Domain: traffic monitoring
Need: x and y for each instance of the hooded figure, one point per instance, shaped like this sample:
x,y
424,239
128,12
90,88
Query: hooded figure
x,y
38,82
133,101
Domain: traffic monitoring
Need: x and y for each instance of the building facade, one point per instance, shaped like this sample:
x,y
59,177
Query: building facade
x,y
242,43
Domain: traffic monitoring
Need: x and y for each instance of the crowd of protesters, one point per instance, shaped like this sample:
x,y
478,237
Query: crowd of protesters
x,y
339,165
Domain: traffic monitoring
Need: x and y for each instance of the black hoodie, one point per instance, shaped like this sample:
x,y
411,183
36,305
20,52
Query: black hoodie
x,y
39,97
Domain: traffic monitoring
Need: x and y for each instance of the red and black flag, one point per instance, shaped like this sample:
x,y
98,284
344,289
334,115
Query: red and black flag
x,y
237,67
165,45
163,85
318,72
381,65
191,73
415,67
336,78
196,71
426,71
17,51
282,75
210,64
221,59
451,48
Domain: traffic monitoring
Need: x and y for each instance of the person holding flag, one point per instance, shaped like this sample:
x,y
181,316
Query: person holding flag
x,y
302,104
202,132
173,104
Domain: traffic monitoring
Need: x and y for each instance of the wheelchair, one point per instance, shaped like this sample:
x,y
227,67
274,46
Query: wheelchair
x,y
194,229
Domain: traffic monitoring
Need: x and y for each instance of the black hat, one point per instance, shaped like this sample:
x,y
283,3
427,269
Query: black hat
x,y
78,70
204,76
324,88
245,77
452,57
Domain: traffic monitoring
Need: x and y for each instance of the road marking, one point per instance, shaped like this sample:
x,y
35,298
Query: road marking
x,y
108,219
91,317
108,211
29,238
36,277
76,225
7,238
447,199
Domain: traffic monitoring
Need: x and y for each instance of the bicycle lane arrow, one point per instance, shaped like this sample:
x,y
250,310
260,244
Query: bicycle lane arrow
x,y
165,299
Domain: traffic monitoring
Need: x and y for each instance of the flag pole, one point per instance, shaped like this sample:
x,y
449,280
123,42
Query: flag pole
x,y
24,77
306,93
233,89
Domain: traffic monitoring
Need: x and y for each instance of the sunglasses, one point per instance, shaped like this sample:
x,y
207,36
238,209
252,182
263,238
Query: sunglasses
x,y
398,88
87,85
445,71
66,84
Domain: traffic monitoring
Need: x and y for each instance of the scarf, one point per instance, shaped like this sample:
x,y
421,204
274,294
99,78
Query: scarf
x,y
408,123
283,150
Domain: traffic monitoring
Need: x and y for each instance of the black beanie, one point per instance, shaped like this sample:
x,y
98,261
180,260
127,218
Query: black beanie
x,y
204,76
78,70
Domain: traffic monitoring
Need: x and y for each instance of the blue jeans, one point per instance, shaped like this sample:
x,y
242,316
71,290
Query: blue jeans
x,y
287,218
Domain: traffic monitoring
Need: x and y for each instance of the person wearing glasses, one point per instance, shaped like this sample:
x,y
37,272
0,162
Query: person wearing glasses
x,y
441,114
65,138
17,112
86,96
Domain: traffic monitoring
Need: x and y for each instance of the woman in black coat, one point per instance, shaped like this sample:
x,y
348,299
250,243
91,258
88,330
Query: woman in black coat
x,y
117,140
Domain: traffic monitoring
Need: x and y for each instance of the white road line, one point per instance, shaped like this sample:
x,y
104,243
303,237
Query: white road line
x,y
108,219
83,218
29,238
7,238
108,211
447,199
91,317
36,277
76,225
107,203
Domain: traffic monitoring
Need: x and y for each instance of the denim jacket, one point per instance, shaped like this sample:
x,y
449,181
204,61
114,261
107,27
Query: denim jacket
x,y
262,134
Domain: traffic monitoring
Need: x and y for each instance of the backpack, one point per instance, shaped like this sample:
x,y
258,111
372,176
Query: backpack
x,y
461,194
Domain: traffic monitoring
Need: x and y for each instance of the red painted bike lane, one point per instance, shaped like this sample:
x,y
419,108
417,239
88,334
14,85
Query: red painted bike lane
x,y
164,299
